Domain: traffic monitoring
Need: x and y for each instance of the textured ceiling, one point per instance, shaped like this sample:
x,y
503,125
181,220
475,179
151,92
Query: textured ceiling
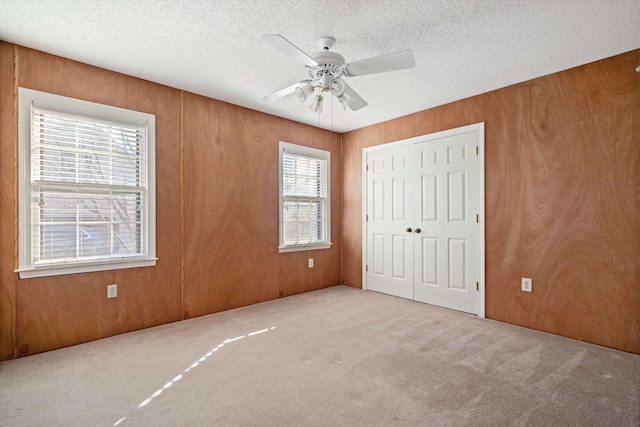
x,y
213,47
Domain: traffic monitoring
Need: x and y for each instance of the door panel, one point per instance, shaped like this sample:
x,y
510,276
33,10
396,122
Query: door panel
x,y
399,259
377,266
377,207
429,260
457,196
399,196
457,265
429,197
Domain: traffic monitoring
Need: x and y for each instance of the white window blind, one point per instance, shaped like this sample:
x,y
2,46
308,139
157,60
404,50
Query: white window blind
x,y
304,197
88,190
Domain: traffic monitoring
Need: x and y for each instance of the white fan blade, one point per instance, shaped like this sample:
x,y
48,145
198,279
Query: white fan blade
x,y
279,42
283,92
357,102
381,64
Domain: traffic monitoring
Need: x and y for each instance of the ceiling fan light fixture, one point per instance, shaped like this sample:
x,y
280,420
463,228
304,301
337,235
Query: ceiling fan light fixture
x,y
304,91
326,70
346,100
316,105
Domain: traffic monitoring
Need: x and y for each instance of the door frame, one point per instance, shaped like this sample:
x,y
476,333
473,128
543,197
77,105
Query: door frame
x,y
479,129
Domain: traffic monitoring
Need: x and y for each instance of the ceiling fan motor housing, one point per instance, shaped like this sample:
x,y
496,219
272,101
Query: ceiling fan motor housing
x,y
330,66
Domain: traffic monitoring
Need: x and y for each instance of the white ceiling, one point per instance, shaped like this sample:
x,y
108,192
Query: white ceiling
x,y
213,47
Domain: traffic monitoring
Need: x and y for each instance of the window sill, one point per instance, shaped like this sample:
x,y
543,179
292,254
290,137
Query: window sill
x,y
59,270
310,247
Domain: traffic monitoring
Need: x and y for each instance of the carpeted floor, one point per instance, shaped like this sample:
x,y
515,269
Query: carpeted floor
x,y
334,357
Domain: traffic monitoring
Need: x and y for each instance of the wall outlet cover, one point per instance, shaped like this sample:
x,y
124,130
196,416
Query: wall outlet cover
x,y
527,284
112,291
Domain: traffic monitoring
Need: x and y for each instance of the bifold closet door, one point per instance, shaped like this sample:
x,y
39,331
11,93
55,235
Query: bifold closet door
x,y
422,225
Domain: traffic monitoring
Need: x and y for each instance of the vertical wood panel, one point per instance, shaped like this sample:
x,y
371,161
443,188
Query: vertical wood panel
x,y
228,247
65,310
352,144
562,166
8,180
562,203
231,208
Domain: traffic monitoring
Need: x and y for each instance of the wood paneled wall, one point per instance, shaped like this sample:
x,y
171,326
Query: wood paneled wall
x,y
64,310
231,208
217,213
562,180
8,195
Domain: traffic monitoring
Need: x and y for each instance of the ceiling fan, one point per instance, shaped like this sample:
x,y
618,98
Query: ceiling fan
x,y
327,69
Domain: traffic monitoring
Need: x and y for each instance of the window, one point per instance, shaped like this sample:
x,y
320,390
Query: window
x,y
87,186
304,198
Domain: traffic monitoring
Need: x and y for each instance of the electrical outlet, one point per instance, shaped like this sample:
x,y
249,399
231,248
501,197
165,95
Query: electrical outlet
x,y
526,285
310,262
112,291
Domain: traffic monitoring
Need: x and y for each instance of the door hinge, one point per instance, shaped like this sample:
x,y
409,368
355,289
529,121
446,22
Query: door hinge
x,y
477,150
477,286
477,218
367,217
367,167
366,268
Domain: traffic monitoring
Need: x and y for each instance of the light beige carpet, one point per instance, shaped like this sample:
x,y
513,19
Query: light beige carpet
x,y
334,357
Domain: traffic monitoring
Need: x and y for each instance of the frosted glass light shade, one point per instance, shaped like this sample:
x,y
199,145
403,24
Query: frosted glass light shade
x,y
316,105
345,100
303,92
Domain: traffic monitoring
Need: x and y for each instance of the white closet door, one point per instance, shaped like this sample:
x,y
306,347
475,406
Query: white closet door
x,y
446,231
389,252
423,201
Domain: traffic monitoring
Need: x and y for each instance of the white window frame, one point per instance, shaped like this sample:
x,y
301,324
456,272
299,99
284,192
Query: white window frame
x,y
29,99
286,147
